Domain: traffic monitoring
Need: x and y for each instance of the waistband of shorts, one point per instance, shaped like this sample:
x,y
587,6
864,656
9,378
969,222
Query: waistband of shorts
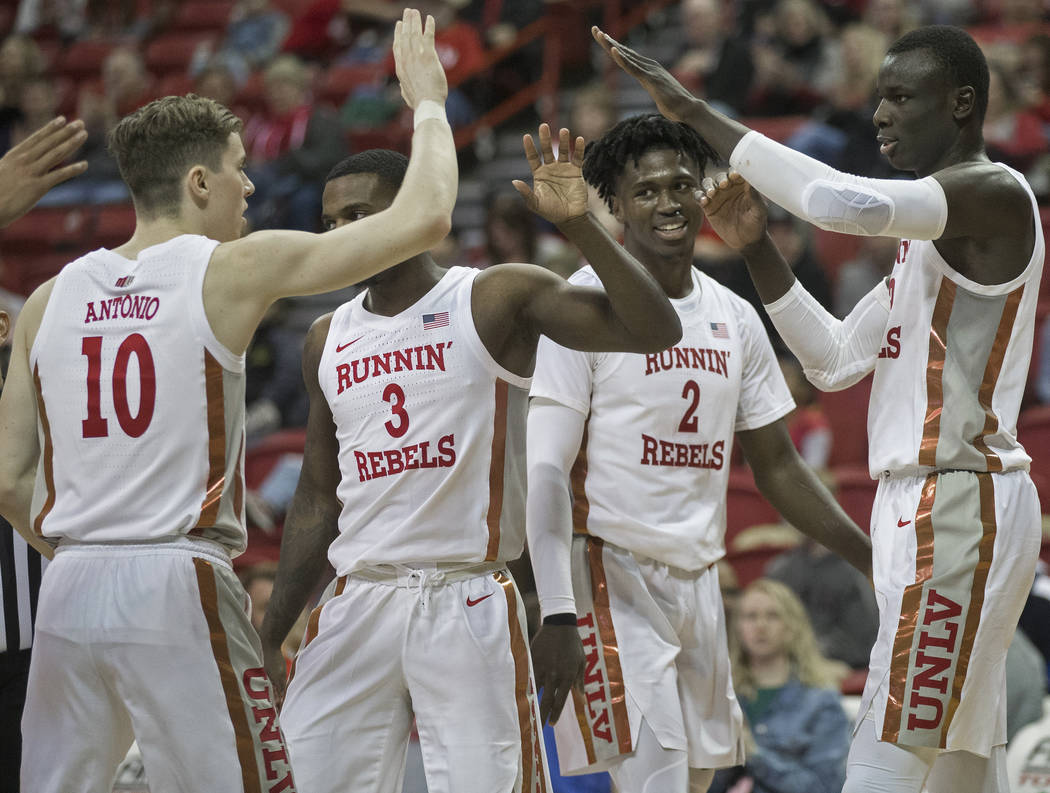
x,y
410,575
919,473
191,546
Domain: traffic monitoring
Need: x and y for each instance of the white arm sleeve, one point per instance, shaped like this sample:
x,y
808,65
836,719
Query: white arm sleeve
x,y
909,209
552,442
834,353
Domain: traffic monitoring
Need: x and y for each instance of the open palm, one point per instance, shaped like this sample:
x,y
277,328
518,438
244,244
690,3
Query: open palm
x,y
735,211
558,190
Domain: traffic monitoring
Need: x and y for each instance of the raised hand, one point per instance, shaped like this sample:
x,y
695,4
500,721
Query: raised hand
x,y
26,170
735,211
558,191
416,61
671,98
558,663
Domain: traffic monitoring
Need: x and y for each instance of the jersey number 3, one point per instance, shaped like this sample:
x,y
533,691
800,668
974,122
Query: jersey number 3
x,y
95,426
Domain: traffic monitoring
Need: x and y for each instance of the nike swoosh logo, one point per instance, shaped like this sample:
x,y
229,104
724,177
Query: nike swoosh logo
x,y
342,347
902,523
475,602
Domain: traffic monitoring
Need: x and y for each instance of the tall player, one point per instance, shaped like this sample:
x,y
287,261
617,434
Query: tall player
x,y
414,484
126,385
955,525
645,442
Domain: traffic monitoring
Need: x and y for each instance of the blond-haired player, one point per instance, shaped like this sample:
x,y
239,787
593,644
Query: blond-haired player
x,y
122,424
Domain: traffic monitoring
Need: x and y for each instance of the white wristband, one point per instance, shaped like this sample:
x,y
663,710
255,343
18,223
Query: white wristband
x,y
428,108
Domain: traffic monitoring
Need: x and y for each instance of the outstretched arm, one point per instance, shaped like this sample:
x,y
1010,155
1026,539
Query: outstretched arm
x,y
553,438
834,353
27,170
951,204
312,521
248,275
791,486
631,313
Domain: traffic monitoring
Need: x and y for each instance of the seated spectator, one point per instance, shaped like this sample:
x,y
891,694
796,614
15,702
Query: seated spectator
x,y
591,114
894,18
291,144
1012,133
20,60
512,235
216,81
800,731
838,599
716,63
789,53
1034,74
37,106
70,18
873,262
254,35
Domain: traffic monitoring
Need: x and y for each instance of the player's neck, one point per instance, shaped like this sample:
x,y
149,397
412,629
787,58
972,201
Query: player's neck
x,y
392,291
965,148
149,233
673,273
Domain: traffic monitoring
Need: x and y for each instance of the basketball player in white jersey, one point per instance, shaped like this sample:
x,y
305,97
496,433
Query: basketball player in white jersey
x,y
414,484
632,452
122,424
955,526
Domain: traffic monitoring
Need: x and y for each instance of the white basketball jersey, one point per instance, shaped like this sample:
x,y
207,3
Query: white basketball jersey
x,y
653,466
141,409
949,379
431,434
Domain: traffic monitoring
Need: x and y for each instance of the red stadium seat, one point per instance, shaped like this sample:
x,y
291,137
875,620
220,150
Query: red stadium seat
x,y
83,58
44,230
340,81
264,455
39,269
208,15
745,505
833,249
778,128
1033,431
751,564
847,411
174,85
855,491
251,95
114,224
172,52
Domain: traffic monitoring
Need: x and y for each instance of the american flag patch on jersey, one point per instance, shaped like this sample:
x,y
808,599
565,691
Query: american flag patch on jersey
x,y
719,330
438,320
125,281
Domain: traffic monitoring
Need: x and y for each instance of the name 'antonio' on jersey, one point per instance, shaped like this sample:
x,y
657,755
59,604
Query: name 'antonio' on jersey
x,y
141,408
653,467
431,434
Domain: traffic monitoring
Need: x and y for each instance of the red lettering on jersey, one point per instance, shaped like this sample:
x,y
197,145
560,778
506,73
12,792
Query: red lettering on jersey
x,y
682,455
391,462
342,373
933,721
256,683
933,661
893,343
423,357
902,250
705,359
122,307
891,286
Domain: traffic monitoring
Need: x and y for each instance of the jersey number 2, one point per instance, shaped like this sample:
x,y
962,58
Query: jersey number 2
x,y
95,426
690,391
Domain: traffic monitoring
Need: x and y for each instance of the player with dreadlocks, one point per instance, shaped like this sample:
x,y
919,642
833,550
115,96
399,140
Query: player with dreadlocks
x,y
634,598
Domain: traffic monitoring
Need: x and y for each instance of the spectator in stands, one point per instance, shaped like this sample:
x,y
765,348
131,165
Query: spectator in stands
x,y
20,60
591,115
858,276
1034,74
512,235
38,104
840,133
838,599
254,35
1025,684
1012,133
715,63
216,81
70,17
274,394
809,428
789,53
800,731
894,18
291,144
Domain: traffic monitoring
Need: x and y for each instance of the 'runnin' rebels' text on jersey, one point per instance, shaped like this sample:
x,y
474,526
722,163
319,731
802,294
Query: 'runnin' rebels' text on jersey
x,y
141,408
653,467
431,434
952,370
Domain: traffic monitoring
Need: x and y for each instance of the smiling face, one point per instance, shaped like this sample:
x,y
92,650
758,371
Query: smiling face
x,y
657,203
919,115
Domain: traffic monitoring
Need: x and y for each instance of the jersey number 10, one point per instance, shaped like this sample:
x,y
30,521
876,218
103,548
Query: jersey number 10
x,y
95,426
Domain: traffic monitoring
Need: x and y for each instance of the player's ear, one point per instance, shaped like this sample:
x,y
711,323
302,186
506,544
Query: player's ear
x,y
197,182
965,102
617,209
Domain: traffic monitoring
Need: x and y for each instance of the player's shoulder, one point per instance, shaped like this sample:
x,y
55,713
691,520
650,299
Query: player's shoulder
x,y
985,181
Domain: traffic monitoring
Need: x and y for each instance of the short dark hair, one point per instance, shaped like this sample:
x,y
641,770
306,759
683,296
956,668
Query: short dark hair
x,y
155,146
957,53
389,166
605,158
